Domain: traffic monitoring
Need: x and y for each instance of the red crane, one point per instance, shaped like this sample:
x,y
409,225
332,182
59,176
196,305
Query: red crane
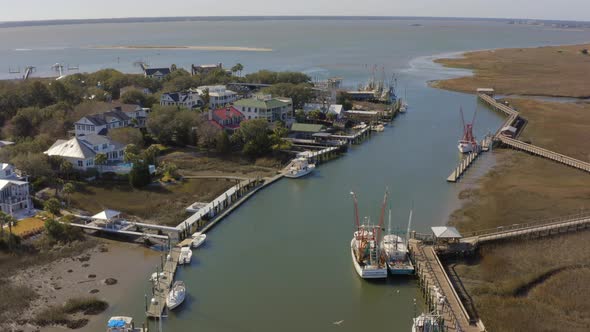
x,y
382,217
468,137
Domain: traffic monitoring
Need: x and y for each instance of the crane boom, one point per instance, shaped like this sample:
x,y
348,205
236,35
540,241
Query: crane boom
x,y
382,214
356,210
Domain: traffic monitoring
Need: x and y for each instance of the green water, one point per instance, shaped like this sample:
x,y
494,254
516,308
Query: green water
x,y
281,262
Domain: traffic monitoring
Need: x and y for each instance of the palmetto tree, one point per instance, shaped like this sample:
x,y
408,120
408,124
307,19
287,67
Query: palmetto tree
x,y
5,218
100,160
68,190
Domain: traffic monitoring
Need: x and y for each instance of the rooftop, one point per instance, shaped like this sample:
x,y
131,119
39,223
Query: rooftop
x,y
446,232
307,127
261,103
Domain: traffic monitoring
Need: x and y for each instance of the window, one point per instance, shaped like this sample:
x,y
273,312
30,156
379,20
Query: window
x,y
121,153
80,163
105,145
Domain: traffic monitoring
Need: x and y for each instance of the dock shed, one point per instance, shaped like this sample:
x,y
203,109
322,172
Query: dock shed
x,y
486,91
306,130
444,235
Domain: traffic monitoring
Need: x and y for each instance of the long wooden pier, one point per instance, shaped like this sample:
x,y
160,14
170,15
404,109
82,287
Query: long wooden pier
x,y
433,278
514,143
558,157
161,287
466,161
534,229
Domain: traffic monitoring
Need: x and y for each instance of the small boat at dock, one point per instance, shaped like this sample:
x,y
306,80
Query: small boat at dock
x,y
299,167
176,296
367,256
185,255
198,239
122,324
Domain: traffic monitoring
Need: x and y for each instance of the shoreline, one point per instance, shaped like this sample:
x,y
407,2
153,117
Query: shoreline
x,y
182,47
84,275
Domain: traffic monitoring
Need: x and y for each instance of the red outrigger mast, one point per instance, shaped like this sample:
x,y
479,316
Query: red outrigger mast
x,y
468,129
356,210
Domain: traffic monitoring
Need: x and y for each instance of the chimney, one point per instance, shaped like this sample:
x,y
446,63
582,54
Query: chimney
x,y
210,115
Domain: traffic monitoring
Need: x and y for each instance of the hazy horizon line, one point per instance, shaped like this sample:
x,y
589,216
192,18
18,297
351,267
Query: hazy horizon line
x,y
145,19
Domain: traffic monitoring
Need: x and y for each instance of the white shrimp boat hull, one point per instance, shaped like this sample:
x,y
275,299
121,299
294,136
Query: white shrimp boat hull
x,y
398,260
465,147
366,273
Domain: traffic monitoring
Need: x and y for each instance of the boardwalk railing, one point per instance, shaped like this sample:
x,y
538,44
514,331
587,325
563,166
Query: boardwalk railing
x,y
546,153
515,230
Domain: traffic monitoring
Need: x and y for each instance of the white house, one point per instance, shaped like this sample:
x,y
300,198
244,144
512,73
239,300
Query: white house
x,y
14,197
14,192
219,95
189,99
81,151
101,123
266,107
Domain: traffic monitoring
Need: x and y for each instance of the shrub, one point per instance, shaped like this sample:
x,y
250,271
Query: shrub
x,y
87,305
60,232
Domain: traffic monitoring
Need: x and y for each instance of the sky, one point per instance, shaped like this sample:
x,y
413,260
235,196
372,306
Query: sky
x,y
24,10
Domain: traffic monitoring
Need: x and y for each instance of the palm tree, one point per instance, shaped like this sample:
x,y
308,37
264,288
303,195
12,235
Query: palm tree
x,y
68,190
237,69
100,160
7,219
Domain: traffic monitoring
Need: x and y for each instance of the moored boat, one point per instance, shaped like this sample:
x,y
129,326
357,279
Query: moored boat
x,y
467,143
176,296
299,167
198,239
185,255
367,256
121,324
396,251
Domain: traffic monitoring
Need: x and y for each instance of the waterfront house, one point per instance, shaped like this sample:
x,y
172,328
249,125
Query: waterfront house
x,y
265,107
219,95
15,199
137,114
306,130
157,73
188,99
8,172
100,123
335,109
81,151
205,69
228,118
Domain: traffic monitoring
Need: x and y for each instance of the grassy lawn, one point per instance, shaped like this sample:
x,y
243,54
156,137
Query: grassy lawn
x,y
28,226
162,204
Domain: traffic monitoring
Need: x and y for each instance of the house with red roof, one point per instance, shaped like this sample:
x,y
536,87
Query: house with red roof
x,y
227,118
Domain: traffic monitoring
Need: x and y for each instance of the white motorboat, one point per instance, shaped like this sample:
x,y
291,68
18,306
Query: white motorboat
x,y
466,146
176,296
198,239
299,167
122,324
378,128
185,255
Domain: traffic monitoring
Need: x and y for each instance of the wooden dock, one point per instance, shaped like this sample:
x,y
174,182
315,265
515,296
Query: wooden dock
x,y
161,289
433,277
466,161
534,229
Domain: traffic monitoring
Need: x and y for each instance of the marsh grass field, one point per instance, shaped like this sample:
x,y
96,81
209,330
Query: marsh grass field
x,y
535,285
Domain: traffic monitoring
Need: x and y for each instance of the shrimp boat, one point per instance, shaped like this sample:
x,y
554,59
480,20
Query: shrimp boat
x,y
299,167
367,256
185,255
396,251
176,295
428,323
198,239
467,143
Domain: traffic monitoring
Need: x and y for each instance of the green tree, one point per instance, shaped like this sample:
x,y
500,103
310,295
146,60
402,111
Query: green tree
x,y
52,206
6,219
237,69
134,97
100,159
278,138
131,153
300,116
126,135
253,135
331,117
300,93
316,115
33,164
37,94
223,144
66,169
344,99
68,189
140,174
151,155
21,126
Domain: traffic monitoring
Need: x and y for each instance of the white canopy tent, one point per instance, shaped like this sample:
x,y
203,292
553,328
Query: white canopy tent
x,y
106,215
